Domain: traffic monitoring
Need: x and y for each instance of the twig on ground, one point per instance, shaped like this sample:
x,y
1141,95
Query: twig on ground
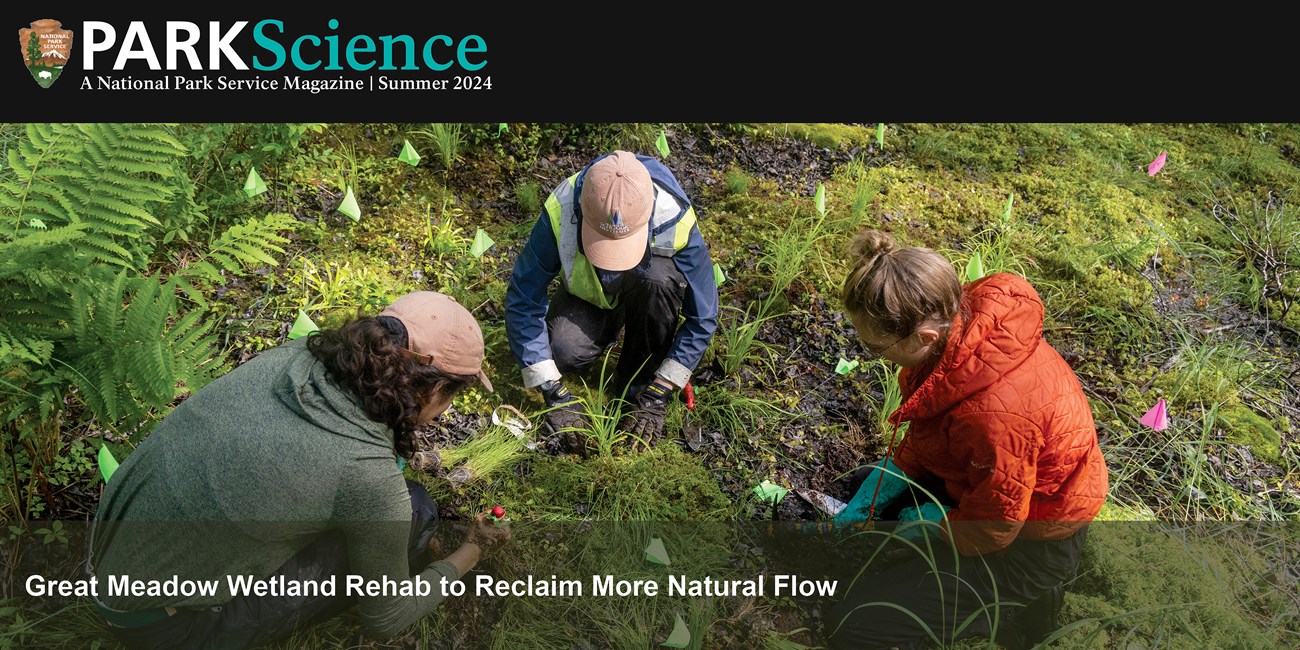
x,y
1270,400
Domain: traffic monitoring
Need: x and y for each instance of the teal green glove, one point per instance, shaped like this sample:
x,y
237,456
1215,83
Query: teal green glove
x,y
930,514
891,487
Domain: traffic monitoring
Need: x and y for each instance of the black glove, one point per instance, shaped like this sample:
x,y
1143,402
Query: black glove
x,y
565,416
646,421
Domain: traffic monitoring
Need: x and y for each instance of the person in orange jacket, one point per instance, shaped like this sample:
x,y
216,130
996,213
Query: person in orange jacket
x,y
999,430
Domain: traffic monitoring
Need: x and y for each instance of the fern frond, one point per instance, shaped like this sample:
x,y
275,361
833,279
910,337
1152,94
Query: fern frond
x,y
108,251
38,249
239,248
126,356
111,177
15,350
195,352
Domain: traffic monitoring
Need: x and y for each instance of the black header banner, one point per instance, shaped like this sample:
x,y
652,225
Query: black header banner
x,y
484,64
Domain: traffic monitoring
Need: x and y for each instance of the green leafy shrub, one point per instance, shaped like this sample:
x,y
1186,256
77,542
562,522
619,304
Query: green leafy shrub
x,y
220,155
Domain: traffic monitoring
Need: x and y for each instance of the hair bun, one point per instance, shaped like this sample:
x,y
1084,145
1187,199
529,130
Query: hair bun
x,y
870,244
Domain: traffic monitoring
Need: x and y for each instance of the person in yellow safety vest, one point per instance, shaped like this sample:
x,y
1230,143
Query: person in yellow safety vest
x,y
622,237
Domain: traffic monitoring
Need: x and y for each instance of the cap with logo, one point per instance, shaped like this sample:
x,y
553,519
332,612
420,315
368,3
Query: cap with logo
x,y
617,199
441,333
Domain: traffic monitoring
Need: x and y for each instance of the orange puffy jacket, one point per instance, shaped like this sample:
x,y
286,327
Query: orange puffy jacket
x,y
1002,420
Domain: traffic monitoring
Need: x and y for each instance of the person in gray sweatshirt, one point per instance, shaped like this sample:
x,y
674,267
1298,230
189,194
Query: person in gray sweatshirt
x,y
274,496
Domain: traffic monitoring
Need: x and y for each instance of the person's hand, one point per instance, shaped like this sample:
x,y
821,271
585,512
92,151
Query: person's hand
x,y
892,484
917,522
646,421
487,535
565,416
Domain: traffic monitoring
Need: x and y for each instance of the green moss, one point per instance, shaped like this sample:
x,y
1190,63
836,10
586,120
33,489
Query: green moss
x,y
924,208
1243,155
977,149
1245,427
1207,374
1059,264
1292,319
664,484
1112,511
823,135
1125,295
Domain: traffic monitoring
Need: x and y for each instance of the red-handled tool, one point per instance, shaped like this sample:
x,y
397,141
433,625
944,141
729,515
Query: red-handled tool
x,y
691,430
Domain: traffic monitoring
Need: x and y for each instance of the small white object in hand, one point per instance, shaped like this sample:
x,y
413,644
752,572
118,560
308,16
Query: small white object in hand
x,y
516,424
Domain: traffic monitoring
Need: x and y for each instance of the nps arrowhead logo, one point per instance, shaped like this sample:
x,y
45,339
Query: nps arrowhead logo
x,y
46,47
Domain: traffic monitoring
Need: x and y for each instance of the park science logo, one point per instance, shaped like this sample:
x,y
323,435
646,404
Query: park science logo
x,y
46,47
268,55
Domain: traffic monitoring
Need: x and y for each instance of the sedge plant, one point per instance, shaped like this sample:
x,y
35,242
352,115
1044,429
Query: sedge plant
x,y
442,237
604,411
448,139
739,336
483,456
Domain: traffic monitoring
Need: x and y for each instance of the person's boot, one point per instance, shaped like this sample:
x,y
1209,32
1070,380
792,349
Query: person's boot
x,y
1035,622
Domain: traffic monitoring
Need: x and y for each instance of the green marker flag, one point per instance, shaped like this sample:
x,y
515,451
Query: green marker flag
x,y
680,636
821,199
349,206
718,276
845,366
662,144
302,326
1006,214
880,134
974,268
769,491
253,185
107,464
481,243
409,155
656,552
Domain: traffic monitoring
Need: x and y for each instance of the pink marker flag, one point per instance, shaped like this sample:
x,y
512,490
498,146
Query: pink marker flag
x,y
1158,417
1157,164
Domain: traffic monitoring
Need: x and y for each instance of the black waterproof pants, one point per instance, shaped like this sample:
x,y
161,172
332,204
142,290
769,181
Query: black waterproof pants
x,y
913,603
938,597
648,310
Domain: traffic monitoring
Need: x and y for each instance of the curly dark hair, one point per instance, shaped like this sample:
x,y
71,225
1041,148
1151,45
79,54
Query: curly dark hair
x,y
366,357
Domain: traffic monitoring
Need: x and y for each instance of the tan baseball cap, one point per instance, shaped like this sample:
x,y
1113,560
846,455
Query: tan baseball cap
x,y
617,198
441,333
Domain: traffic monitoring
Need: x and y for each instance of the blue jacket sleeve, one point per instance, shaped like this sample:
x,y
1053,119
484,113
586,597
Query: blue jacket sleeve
x,y
700,308
527,299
